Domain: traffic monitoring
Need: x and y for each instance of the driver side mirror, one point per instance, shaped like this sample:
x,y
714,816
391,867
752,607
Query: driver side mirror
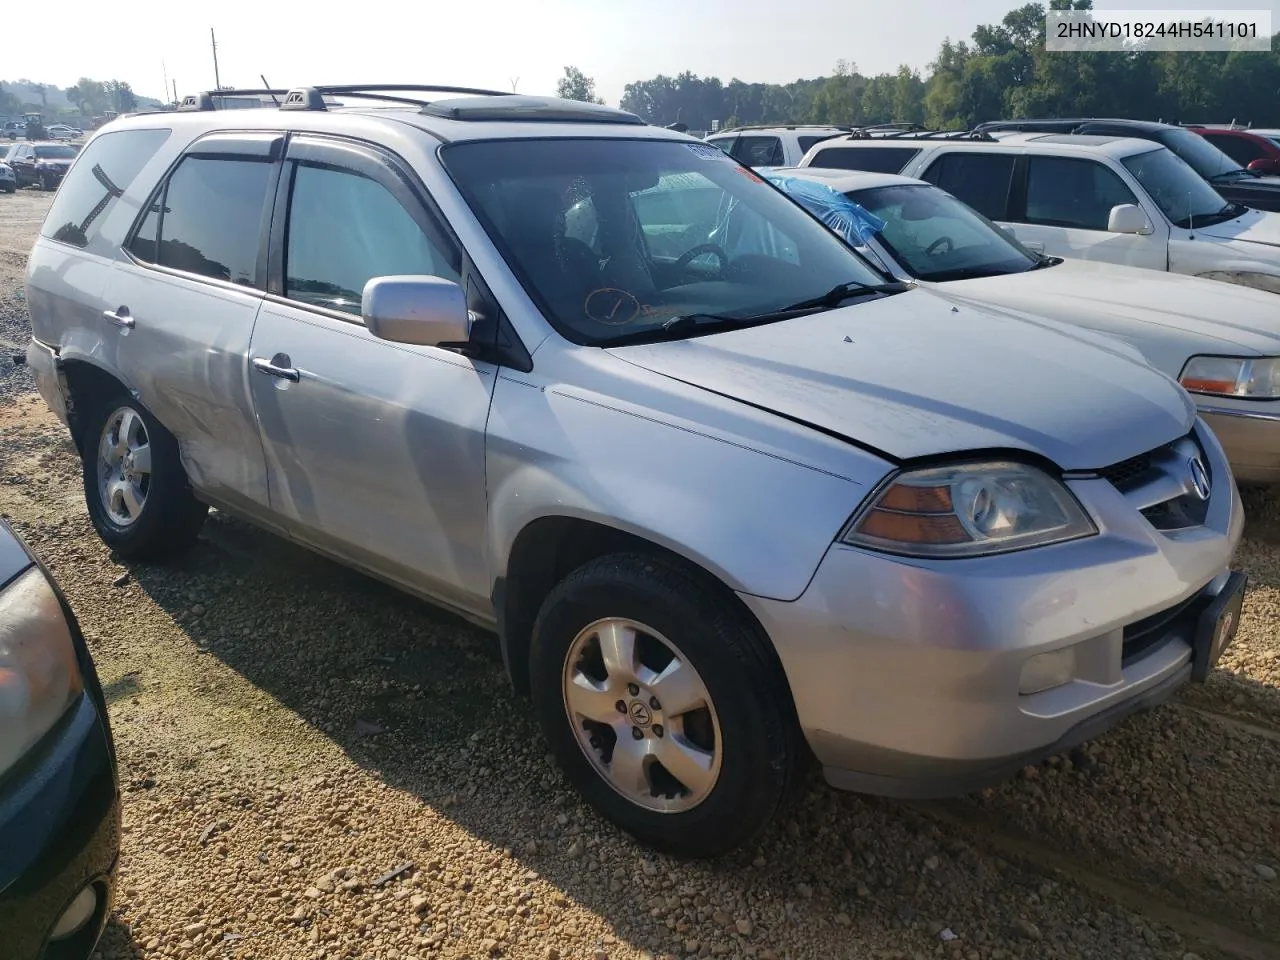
x,y
419,310
1267,165
1127,218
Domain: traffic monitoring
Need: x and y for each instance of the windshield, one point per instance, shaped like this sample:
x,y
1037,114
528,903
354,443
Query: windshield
x,y
1202,156
1180,193
614,238
51,152
938,238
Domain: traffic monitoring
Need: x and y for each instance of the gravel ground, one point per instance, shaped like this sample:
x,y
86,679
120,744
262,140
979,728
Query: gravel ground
x,y
315,766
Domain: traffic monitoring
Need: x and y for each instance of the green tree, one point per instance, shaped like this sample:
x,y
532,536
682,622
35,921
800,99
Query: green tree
x,y
576,85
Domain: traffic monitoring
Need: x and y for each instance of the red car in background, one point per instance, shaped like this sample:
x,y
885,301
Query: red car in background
x,y
1257,150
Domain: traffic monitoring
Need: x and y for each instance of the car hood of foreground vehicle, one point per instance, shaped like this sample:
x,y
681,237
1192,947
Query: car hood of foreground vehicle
x,y
917,375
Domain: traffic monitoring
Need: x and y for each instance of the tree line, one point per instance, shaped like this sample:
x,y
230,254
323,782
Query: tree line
x,y
1002,71
86,98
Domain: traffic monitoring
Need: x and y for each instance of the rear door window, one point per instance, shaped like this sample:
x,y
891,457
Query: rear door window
x,y
981,180
807,143
97,180
870,159
208,219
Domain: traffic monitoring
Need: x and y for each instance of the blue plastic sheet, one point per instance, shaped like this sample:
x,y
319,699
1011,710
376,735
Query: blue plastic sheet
x,y
849,219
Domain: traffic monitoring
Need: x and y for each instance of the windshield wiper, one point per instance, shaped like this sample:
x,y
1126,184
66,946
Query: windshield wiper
x,y
677,327
1235,174
841,292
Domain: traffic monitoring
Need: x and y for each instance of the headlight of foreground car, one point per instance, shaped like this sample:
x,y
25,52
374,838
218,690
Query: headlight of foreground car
x,y
969,510
39,676
1257,377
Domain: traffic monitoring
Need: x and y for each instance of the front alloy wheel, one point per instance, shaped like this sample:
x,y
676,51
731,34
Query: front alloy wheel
x,y
664,703
642,715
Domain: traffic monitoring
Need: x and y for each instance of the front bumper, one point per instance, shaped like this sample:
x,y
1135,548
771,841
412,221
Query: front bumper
x,y
1249,431
59,834
905,673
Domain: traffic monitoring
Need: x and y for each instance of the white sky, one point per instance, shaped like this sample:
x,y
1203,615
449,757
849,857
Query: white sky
x,y
489,43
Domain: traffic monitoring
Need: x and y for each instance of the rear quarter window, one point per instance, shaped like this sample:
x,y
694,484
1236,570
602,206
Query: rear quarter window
x,y
869,159
100,175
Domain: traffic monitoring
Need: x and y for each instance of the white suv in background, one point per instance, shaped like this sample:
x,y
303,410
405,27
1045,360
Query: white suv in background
x,y
772,146
1114,199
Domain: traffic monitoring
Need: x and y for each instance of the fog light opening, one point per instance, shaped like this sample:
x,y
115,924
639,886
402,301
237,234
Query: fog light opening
x,y
79,912
1047,670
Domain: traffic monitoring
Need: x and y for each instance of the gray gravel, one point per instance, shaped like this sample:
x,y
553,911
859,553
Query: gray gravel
x,y
316,766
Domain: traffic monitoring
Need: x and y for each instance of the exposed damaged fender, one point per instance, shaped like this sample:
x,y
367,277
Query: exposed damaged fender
x,y
1269,282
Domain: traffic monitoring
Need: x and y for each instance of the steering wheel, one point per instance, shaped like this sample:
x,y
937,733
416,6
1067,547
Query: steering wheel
x,y
701,250
935,249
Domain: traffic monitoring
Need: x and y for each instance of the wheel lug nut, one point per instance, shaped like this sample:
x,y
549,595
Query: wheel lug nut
x,y
653,702
633,689
621,707
657,729
637,733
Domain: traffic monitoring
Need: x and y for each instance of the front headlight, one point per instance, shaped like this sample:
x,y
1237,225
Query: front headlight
x,y
968,510
39,675
1257,378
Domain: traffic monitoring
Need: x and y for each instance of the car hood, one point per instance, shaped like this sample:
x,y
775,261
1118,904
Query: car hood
x,y
1256,226
1138,305
917,374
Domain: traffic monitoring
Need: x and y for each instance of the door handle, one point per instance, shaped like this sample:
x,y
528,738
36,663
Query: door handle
x,y
120,317
278,369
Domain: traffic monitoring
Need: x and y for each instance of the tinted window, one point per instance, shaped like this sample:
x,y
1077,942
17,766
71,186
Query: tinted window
x,y
345,229
1240,149
979,179
108,167
1066,192
611,238
52,152
759,151
211,222
1203,157
871,159
806,143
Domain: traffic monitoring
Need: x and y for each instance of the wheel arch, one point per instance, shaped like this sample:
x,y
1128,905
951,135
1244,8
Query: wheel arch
x,y
549,548
85,381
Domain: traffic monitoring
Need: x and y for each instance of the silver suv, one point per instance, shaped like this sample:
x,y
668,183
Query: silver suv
x,y
729,496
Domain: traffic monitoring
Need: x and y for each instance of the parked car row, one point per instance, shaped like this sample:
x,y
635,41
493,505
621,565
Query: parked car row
x,y
731,492
41,164
1113,198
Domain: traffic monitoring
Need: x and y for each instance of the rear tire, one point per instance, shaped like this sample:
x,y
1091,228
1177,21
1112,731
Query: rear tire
x,y
717,758
136,489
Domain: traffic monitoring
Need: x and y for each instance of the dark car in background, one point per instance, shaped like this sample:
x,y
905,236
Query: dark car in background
x,y
59,790
1235,183
41,164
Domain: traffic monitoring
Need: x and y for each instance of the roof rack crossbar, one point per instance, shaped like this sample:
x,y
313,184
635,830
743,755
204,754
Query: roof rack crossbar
x,y
312,99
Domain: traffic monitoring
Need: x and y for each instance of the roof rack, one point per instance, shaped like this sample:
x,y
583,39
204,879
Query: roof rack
x,y
919,134
312,98
785,126
1233,125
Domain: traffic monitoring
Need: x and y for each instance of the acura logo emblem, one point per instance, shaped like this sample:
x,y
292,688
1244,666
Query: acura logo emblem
x,y
1199,479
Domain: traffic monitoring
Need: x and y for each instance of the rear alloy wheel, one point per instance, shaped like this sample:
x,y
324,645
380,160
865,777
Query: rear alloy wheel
x,y
136,489
664,704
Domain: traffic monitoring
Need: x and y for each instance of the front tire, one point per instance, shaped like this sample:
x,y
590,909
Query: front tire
x,y
135,487
663,704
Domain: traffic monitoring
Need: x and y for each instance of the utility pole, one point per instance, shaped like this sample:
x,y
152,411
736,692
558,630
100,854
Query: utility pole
x,y
165,70
217,82
175,91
